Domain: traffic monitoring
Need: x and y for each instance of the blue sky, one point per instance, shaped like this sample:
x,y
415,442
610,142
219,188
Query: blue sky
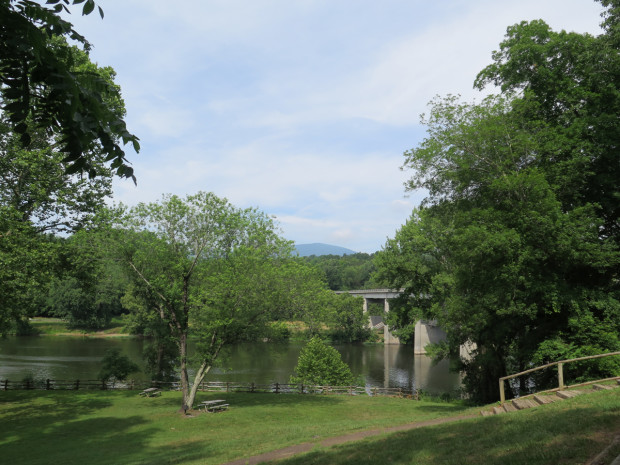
x,y
302,108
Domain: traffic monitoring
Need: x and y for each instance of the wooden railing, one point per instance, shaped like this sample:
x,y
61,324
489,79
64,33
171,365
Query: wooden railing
x,y
210,386
560,365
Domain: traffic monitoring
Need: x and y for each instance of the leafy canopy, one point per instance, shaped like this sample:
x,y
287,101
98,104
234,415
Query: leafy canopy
x,y
40,88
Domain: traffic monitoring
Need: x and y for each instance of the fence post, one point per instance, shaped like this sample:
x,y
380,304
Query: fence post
x,y
252,387
6,384
502,395
277,388
302,388
77,384
47,384
227,386
103,384
560,375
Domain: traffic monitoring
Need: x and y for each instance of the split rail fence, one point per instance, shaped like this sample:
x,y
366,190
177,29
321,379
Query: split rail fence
x,y
210,386
560,365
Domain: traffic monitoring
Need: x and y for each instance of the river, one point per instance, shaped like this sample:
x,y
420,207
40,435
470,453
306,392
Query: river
x,y
68,358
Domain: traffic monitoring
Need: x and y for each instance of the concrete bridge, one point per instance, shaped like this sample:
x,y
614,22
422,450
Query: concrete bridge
x,y
426,332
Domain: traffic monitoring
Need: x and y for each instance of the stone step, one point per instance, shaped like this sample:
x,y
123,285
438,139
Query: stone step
x,y
498,410
542,400
601,387
522,404
508,407
568,394
486,413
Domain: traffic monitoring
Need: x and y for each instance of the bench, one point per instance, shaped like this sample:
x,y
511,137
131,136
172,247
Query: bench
x,y
214,405
151,392
216,408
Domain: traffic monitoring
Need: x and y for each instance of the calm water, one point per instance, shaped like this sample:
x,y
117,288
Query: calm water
x,y
66,358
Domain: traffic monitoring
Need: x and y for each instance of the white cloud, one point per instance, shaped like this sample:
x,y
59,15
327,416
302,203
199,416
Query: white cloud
x,y
300,108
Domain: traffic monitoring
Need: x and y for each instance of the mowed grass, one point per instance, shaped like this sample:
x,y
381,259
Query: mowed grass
x,y
65,427
568,432
119,427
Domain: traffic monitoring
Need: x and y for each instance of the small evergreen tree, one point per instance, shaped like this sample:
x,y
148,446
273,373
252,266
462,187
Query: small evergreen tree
x,y
320,364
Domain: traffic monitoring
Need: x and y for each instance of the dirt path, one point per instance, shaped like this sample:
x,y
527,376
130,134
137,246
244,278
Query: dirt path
x,y
308,446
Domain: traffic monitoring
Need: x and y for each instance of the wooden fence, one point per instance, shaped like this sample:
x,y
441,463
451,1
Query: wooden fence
x,y
210,386
560,365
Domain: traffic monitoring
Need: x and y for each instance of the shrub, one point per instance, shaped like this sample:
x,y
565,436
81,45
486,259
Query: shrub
x,y
116,366
320,364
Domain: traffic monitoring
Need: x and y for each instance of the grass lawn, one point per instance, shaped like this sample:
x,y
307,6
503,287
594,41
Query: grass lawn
x,y
69,427
567,432
105,427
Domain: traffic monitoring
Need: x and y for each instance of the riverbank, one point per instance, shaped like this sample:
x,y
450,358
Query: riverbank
x,y
58,327
121,427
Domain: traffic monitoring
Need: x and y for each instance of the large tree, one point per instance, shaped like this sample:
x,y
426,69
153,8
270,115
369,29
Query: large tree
x,y
39,198
516,246
203,266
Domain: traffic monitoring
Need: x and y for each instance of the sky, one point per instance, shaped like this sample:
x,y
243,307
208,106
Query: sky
x,y
301,108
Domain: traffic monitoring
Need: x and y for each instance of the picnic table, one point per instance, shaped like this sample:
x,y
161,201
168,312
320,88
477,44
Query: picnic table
x,y
213,406
151,392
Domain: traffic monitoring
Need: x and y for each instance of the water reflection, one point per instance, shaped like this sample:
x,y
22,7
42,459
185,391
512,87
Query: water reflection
x,y
66,358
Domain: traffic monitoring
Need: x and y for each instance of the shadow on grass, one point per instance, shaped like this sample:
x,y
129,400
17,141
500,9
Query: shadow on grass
x,y
241,399
67,427
533,438
47,406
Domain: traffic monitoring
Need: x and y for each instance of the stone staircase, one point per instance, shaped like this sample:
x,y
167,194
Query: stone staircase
x,y
531,401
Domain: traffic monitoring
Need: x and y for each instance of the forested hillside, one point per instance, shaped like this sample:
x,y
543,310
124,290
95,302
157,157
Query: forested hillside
x,y
347,272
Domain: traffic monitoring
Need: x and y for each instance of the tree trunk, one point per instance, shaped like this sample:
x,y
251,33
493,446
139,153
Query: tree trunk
x,y
200,375
184,378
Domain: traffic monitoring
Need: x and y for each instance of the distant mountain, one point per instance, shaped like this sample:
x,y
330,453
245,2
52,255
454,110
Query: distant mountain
x,y
305,250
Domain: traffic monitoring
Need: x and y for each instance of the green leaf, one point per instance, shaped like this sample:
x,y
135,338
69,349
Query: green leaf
x,y
89,6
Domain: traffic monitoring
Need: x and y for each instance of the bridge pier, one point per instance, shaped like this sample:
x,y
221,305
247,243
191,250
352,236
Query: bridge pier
x,y
388,337
425,332
375,320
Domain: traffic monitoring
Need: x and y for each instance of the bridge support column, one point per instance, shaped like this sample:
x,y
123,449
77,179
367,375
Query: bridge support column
x,y
426,332
365,311
388,337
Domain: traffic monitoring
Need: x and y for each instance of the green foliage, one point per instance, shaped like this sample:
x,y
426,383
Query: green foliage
x,y
209,269
348,322
160,353
345,272
320,364
41,86
27,261
88,285
278,331
39,197
116,366
516,247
